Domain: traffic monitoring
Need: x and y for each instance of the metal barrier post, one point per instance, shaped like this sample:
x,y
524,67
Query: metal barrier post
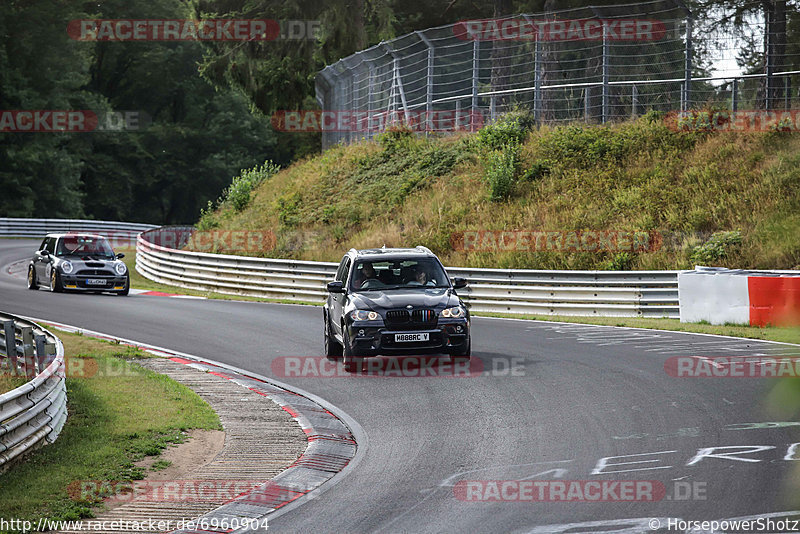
x,y
27,352
11,346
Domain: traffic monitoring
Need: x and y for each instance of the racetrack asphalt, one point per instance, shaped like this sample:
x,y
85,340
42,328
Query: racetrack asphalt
x,y
555,402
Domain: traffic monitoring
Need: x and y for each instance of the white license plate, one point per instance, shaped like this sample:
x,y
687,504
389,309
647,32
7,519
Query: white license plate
x,y
95,282
409,338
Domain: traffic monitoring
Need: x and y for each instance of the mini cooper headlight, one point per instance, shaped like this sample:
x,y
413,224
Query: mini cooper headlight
x,y
364,315
120,268
67,267
455,312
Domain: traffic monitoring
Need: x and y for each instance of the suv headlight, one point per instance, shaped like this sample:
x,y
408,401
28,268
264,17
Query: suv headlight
x,y
67,267
364,315
455,312
120,268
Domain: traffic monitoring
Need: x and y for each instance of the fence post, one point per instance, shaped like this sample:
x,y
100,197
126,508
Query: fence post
x,y
11,346
428,84
370,100
735,95
475,70
586,96
687,83
537,79
787,89
634,101
605,71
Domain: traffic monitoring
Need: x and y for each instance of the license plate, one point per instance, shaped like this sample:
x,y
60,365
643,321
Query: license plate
x,y
95,282
409,338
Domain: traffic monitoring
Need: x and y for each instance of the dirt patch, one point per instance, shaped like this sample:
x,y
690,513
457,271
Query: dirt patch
x,y
187,458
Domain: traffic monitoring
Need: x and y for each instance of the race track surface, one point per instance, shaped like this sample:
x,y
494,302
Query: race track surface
x,y
555,402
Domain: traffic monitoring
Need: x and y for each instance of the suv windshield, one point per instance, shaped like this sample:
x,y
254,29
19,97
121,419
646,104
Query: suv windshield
x,y
398,274
85,246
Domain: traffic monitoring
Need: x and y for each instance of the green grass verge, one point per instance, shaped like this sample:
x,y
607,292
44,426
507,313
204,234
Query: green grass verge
x,y
116,417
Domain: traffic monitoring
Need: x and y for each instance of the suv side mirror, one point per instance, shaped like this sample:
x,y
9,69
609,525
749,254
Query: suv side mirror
x,y
335,287
44,252
120,256
459,283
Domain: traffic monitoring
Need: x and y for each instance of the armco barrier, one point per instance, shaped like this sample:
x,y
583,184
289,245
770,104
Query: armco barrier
x,y
121,233
579,293
34,413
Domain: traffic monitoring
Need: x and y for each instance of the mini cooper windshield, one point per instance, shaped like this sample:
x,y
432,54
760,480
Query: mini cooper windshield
x,y
398,274
85,247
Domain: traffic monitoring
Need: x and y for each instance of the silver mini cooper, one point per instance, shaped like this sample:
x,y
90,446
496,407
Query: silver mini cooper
x,y
79,262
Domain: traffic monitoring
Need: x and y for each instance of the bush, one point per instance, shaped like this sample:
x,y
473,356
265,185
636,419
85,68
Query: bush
x,y
510,129
717,247
501,168
238,194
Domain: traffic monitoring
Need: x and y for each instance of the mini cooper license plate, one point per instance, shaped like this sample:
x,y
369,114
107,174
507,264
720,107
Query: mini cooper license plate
x,y
95,282
407,338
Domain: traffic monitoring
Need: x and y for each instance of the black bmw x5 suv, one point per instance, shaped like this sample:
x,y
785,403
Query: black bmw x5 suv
x,y
394,301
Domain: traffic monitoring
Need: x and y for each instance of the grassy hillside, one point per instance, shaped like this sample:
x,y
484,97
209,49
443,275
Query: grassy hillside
x,y
717,198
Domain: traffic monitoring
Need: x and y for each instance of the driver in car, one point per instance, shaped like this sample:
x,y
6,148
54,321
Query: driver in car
x,y
367,273
421,278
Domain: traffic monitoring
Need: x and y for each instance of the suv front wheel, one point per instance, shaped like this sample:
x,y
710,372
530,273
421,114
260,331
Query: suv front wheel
x,y
352,363
333,350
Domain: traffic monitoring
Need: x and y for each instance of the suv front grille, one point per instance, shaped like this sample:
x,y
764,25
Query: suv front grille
x,y
416,320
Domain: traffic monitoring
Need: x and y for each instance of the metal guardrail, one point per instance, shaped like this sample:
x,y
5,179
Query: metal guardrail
x,y
578,293
34,413
118,232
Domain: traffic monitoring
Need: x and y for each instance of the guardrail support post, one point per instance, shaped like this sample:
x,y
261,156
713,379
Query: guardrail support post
x,y
27,352
41,351
11,346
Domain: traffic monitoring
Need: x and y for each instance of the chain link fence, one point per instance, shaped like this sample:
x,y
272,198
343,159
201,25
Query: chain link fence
x,y
593,64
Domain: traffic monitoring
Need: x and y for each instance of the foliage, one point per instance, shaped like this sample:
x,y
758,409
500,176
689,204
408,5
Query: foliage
x,y
501,168
718,247
238,194
186,141
511,129
637,176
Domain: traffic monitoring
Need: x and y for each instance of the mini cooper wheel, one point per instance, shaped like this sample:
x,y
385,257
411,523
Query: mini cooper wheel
x,y
55,282
127,288
333,350
32,283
